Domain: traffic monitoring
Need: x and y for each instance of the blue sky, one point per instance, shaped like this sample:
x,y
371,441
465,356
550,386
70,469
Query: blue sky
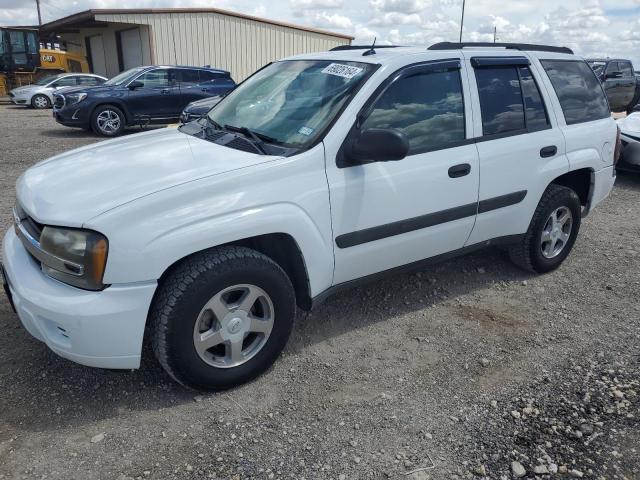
x,y
591,27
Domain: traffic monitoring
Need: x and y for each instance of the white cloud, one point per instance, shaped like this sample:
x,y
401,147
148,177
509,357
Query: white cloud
x,y
401,6
329,20
392,19
315,4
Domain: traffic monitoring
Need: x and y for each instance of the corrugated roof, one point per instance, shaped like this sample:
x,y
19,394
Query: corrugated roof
x,y
89,15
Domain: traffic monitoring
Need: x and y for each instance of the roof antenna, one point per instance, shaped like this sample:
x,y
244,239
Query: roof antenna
x,y
371,51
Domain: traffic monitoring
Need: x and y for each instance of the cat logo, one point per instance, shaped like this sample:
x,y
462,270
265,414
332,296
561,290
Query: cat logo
x,y
48,58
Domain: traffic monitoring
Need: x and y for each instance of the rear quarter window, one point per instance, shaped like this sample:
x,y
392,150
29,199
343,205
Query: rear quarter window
x,y
579,91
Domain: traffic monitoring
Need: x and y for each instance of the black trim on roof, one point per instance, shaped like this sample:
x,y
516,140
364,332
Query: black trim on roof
x,y
340,48
510,46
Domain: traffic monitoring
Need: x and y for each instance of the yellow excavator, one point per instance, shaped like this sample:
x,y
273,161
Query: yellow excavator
x,y
23,61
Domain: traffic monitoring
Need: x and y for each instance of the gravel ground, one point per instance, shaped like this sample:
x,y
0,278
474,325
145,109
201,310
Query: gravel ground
x,y
471,368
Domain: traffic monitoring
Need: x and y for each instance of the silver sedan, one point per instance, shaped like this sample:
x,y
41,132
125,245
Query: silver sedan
x,y
40,93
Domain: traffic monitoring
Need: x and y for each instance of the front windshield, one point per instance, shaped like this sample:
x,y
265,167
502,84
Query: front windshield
x,y
291,101
124,76
597,67
46,80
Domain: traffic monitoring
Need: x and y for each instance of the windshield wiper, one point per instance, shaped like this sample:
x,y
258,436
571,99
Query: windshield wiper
x,y
258,138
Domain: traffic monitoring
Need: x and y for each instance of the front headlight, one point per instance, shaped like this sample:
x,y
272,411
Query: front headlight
x,y
74,98
80,256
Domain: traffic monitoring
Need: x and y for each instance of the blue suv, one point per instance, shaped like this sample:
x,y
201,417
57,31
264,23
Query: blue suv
x,y
139,96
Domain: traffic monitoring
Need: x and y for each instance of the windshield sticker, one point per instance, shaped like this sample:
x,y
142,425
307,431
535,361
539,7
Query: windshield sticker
x,y
344,71
306,131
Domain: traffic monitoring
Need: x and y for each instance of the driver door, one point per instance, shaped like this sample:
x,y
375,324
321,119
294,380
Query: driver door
x,y
158,98
389,214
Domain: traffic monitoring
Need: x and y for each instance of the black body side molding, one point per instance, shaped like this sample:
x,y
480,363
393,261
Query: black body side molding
x,y
429,220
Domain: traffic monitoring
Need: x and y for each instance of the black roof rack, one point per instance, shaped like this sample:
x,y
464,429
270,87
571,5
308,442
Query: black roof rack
x,y
360,47
511,46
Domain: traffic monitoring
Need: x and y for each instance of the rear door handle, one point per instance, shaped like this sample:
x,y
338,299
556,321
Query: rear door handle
x,y
549,151
460,170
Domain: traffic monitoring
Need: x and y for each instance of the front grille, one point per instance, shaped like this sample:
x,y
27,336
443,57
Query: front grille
x,y
34,228
59,101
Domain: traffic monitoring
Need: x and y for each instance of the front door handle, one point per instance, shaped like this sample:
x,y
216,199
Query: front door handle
x,y
461,170
549,151
165,91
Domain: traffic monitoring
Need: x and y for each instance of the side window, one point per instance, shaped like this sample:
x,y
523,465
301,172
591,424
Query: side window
x,y
427,107
155,79
206,76
188,77
87,81
625,68
500,100
510,100
579,91
612,67
535,113
65,82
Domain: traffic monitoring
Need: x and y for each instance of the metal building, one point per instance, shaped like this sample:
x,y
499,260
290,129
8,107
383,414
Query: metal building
x,y
117,39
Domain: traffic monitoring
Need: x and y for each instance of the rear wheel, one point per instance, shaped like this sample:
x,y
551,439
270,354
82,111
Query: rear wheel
x,y
40,102
222,317
552,231
108,120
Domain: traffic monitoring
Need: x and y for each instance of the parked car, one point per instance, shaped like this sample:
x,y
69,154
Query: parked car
x,y
197,109
139,96
619,81
630,136
355,165
40,93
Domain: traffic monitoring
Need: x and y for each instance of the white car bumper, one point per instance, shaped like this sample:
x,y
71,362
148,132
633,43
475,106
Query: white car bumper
x,y
99,329
20,98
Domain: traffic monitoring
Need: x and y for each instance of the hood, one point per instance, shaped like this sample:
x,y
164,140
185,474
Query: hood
x,y
203,105
630,125
72,188
27,88
86,88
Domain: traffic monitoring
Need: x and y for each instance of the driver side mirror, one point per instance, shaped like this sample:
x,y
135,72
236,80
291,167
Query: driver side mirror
x,y
135,84
379,145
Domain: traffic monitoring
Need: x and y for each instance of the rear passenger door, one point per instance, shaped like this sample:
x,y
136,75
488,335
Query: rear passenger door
x,y
613,86
189,80
520,146
388,214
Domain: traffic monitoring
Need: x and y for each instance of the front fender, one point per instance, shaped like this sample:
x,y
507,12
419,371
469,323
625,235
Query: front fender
x,y
152,233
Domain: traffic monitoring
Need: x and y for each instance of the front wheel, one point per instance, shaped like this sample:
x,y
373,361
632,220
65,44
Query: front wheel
x,y
552,231
222,317
108,120
40,102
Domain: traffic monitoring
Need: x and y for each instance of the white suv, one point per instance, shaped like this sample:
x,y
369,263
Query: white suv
x,y
318,172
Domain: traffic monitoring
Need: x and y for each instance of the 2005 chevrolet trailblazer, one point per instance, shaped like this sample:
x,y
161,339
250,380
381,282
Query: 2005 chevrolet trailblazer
x,y
317,172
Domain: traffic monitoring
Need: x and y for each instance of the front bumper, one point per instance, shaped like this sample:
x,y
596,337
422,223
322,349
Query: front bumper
x,y
71,117
19,99
98,329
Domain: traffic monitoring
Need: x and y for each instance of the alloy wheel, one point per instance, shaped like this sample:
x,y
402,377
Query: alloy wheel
x,y
556,232
233,326
108,121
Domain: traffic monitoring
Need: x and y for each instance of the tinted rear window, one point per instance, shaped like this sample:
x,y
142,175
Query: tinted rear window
x,y
579,91
500,100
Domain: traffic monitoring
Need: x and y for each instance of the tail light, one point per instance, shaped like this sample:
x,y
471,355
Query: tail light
x,y
618,150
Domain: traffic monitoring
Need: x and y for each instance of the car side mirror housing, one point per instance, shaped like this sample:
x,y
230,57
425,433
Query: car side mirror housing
x,y
378,145
135,84
613,75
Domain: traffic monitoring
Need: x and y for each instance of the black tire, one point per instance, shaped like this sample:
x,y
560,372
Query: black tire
x,y
40,102
527,254
189,286
108,109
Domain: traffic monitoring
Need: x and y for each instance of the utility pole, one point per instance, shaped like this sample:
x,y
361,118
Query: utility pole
x,y
39,15
495,31
462,20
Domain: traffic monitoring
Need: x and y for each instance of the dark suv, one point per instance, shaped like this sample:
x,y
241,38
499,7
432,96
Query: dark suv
x,y
619,82
138,96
